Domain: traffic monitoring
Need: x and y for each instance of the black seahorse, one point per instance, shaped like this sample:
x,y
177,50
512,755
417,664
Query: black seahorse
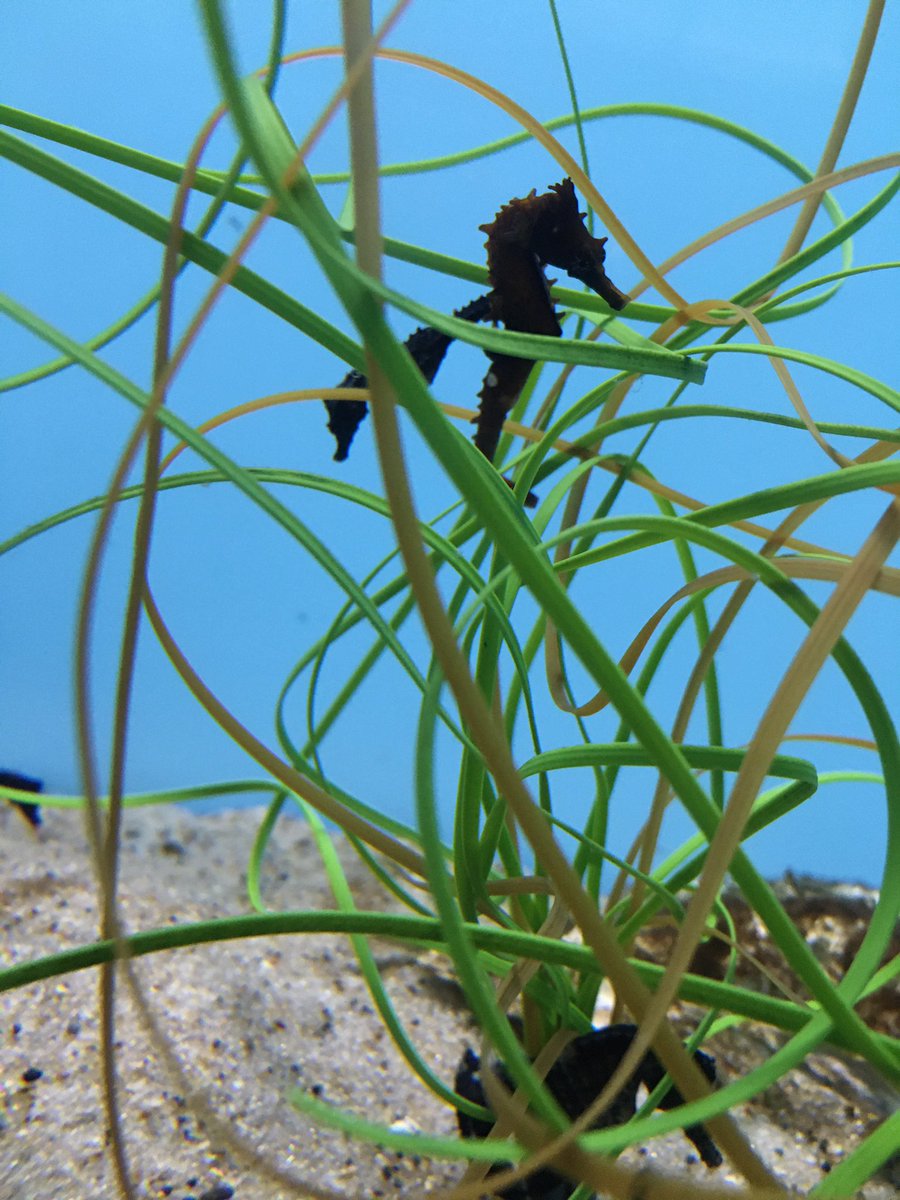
x,y
525,236
427,347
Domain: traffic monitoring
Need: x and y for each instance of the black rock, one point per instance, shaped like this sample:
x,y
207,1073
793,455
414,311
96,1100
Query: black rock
x,y
575,1080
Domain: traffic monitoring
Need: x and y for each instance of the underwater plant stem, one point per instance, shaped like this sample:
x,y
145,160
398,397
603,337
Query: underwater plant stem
x,y
485,730
841,124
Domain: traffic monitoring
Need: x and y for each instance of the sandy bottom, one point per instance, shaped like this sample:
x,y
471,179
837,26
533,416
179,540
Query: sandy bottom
x,y
250,1020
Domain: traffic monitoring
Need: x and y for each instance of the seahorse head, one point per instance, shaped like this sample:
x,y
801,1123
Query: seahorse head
x,y
561,239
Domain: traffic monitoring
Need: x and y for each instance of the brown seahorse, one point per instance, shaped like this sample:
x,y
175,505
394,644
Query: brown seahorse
x,y
427,347
524,236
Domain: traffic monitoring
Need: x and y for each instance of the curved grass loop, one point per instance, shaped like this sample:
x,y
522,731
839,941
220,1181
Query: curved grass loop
x,y
494,864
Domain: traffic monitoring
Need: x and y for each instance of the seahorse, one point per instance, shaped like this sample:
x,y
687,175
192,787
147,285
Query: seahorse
x,y
526,235
427,347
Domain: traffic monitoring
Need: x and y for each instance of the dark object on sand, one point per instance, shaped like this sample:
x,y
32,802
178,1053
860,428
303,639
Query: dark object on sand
x,y
576,1080
22,783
